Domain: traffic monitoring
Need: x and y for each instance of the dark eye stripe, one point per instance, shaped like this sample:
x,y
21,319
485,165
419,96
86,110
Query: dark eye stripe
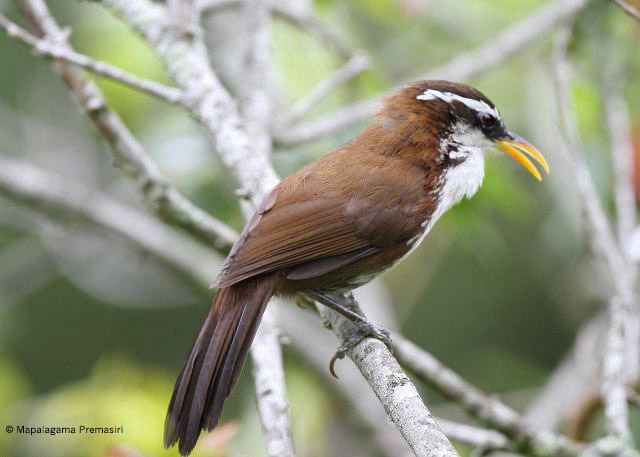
x,y
487,121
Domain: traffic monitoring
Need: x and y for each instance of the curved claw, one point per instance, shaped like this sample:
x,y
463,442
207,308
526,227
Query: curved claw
x,y
332,363
364,331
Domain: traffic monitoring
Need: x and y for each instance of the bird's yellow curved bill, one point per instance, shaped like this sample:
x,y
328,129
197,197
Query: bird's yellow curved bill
x,y
523,151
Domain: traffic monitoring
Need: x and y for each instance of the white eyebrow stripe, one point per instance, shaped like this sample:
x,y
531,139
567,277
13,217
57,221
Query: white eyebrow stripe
x,y
477,105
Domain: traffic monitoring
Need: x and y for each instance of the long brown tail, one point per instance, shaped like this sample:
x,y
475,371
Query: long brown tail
x,y
215,361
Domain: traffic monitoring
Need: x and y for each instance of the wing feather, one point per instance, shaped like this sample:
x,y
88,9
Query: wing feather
x,y
318,219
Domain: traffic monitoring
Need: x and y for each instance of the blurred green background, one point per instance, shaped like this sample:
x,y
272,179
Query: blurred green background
x,y
94,332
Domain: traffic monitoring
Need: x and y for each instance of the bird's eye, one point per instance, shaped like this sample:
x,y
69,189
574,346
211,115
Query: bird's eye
x,y
487,121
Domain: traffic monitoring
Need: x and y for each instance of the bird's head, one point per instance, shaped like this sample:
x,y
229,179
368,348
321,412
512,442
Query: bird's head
x,y
458,123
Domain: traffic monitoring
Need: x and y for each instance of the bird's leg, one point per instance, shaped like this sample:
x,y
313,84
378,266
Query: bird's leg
x,y
348,307
343,304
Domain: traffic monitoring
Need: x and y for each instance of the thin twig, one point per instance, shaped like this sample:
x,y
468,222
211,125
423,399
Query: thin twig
x,y
630,10
61,51
354,66
160,196
463,67
601,236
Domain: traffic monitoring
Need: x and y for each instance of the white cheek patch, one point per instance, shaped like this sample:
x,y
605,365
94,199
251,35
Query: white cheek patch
x,y
477,105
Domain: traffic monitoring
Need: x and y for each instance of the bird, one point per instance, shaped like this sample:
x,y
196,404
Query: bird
x,y
337,223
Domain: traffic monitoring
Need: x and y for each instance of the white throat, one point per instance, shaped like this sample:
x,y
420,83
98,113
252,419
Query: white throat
x,y
459,181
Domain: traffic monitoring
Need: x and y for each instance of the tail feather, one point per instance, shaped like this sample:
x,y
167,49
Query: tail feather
x,y
215,361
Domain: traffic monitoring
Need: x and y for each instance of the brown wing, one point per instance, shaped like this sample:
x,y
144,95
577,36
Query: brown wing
x,y
321,214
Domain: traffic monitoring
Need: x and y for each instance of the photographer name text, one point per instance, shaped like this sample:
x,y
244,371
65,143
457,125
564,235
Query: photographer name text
x,y
54,430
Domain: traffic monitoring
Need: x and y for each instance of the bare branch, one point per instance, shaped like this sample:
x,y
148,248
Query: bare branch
x,y
60,51
306,22
57,197
601,236
462,67
487,409
630,10
354,66
130,156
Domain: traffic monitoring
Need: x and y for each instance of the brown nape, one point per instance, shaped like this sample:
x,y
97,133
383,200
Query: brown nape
x,y
408,127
